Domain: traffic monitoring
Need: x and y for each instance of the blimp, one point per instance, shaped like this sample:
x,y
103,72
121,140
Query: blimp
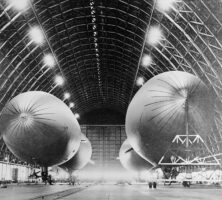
x,y
169,104
40,129
131,161
81,158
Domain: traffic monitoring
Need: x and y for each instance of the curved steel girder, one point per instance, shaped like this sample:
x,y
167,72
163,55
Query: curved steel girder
x,y
188,61
17,66
115,72
206,25
10,63
177,50
121,104
37,79
209,80
117,35
4,10
94,53
7,41
192,70
43,74
51,86
204,42
86,105
193,57
120,57
159,60
10,22
208,29
88,6
104,24
91,31
188,52
108,8
190,40
112,51
88,88
28,82
18,55
116,38
87,62
92,23
136,7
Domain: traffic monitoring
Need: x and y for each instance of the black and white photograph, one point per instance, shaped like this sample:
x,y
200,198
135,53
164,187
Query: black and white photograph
x,y
111,99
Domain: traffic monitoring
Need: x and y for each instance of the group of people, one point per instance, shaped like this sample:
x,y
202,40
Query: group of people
x,y
44,175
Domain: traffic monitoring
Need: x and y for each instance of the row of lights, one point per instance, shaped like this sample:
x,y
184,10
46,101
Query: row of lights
x,y
155,34
95,38
36,36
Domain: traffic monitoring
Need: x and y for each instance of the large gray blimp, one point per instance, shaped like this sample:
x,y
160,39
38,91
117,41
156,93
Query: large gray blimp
x,y
170,103
81,158
39,128
131,161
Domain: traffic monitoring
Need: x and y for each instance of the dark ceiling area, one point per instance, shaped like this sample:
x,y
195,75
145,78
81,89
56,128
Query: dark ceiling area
x,y
102,117
98,47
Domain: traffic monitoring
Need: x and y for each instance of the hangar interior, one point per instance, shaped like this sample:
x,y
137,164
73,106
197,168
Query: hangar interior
x,y
95,55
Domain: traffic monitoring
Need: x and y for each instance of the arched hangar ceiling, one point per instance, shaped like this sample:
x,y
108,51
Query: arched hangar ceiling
x,y
98,46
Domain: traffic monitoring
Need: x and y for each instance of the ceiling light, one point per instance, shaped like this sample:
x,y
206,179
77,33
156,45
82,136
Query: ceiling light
x,y
59,80
49,60
165,5
67,95
92,3
36,35
140,81
71,105
146,60
155,35
77,116
19,4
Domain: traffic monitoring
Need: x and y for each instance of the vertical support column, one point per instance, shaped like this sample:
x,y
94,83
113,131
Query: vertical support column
x,y
186,123
44,174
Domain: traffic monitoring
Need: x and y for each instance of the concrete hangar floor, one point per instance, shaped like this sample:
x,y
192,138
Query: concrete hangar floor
x,y
110,192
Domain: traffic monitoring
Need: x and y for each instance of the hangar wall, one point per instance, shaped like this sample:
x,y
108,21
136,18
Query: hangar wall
x,y
106,141
10,172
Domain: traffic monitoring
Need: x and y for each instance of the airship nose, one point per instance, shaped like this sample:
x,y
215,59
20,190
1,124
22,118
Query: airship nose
x,y
25,118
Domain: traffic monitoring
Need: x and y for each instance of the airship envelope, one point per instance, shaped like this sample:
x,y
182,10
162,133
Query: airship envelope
x,y
81,158
39,128
131,161
162,109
